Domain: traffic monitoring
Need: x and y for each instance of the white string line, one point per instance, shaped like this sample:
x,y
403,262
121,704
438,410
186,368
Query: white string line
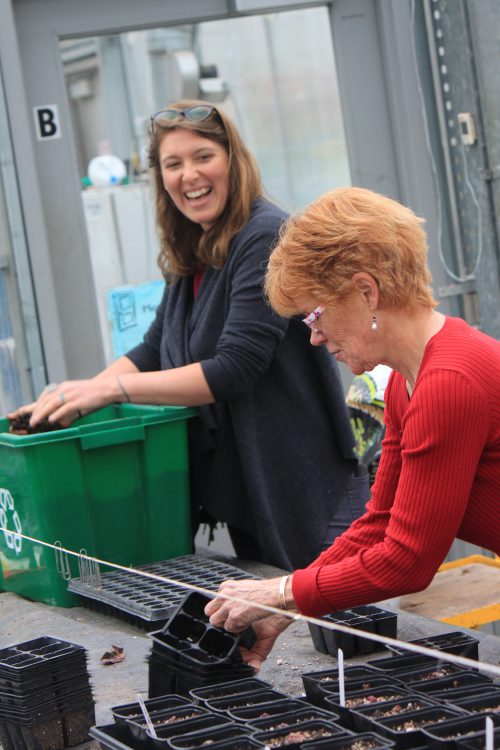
x,y
385,640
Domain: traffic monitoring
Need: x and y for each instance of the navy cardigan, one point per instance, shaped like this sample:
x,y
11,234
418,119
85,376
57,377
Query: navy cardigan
x,y
274,455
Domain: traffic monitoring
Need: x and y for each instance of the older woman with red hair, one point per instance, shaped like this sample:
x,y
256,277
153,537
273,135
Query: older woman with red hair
x,y
354,263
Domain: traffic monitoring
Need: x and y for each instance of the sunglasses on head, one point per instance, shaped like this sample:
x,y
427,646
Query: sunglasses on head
x,y
197,113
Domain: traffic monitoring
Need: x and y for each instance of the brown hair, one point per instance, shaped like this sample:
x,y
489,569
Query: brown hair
x,y
184,244
342,233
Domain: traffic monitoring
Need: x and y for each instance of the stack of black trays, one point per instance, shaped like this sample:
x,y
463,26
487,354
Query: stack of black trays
x,y
188,652
45,695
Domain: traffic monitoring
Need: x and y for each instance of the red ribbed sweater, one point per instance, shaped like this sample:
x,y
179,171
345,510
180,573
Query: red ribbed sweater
x,y
439,478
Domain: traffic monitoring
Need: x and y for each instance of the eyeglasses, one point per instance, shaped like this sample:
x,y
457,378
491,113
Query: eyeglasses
x,y
196,113
312,319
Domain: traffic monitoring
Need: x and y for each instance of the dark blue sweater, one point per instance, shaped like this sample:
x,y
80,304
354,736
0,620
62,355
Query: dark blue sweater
x,y
273,455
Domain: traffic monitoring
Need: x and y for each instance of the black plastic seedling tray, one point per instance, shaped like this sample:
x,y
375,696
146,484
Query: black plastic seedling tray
x,y
167,733
453,682
404,663
487,702
229,703
316,684
453,643
448,735
110,736
234,687
355,699
133,711
296,737
467,691
364,741
165,720
209,737
147,602
399,728
251,714
364,718
189,623
292,718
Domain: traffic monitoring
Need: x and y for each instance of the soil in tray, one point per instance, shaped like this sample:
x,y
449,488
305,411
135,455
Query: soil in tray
x,y
21,425
368,700
298,735
404,707
408,725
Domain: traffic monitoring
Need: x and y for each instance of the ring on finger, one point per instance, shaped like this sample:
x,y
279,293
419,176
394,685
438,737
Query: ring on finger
x,y
62,397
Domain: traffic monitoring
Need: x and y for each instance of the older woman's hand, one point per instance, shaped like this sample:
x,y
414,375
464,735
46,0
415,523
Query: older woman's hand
x,y
267,631
236,616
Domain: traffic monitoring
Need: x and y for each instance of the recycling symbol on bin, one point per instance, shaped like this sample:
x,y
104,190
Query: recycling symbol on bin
x,y
9,513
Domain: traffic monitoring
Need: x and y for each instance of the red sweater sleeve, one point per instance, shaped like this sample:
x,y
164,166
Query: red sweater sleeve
x,y
429,461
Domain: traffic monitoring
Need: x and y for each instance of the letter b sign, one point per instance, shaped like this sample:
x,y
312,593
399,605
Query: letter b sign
x,y
47,122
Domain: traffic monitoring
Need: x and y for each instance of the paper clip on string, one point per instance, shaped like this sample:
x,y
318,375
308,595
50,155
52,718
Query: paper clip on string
x,y
62,562
89,571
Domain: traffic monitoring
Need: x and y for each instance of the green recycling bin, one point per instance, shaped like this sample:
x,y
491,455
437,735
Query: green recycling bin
x,y
114,484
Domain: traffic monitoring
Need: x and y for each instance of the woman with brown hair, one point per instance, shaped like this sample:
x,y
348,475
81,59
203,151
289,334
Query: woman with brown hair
x,y
271,451
357,260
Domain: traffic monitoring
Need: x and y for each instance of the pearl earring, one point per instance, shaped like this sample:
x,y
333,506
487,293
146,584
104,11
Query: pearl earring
x,y
374,324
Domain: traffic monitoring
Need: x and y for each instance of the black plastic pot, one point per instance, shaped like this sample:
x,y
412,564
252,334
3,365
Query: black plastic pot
x,y
314,681
355,699
455,642
364,741
331,690
166,734
227,704
467,691
133,711
298,736
292,718
478,742
251,714
165,720
487,702
457,680
189,623
400,729
403,663
209,736
224,689
449,734
366,718
386,623
111,737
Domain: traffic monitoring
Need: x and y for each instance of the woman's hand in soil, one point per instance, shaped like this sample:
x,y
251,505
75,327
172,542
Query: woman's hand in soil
x,y
67,401
235,616
267,631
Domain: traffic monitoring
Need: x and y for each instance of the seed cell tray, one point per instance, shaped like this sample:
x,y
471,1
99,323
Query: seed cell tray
x,y
41,655
407,729
367,740
234,687
453,643
133,711
224,733
449,734
147,602
368,618
365,717
315,682
252,714
292,718
295,737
